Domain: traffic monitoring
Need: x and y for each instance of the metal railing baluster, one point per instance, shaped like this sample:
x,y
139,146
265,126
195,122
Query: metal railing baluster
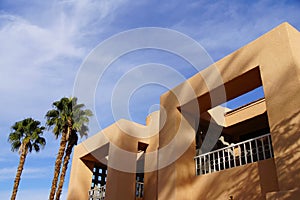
x,y
257,150
233,152
219,161
209,167
240,155
251,154
223,159
214,162
263,149
245,153
205,167
200,166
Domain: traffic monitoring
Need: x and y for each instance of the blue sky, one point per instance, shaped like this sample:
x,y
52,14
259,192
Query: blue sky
x,y
43,43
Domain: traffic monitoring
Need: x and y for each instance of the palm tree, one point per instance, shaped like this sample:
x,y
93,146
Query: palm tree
x,y
67,119
25,137
71,143
81,117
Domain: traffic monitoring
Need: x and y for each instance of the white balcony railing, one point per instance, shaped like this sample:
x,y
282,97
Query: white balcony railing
x,y
253,150
139,190
98,193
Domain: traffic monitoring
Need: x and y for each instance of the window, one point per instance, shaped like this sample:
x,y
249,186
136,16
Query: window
x,y
99,176
139,192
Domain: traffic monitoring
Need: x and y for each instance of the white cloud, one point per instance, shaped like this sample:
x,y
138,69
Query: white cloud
x,y
29,47
28,173
222,26
40,53
34,194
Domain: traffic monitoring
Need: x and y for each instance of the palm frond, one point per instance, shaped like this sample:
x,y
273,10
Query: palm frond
x,y
24,134
67,112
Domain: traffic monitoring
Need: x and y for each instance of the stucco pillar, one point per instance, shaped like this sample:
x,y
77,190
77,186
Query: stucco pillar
x,y
281,86
80,176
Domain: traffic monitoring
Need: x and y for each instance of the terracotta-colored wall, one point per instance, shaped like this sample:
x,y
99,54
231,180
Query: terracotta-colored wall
x,y
246,113
167,173
80,176
272,60
120,181
246,182
284,195
281,84
150,178
150,185
268,176
120,185
251,181
278,57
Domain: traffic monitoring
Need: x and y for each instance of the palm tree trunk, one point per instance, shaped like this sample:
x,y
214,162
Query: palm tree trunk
x,y
58,162
19,173
72,141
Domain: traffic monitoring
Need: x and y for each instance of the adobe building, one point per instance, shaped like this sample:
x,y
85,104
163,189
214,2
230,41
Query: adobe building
x,y
196,149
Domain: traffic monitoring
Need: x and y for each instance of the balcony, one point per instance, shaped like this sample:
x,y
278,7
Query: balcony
x,y
98,193
139,192
249,151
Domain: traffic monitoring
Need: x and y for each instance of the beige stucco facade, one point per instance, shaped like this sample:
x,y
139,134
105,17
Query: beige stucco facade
x,y
271,61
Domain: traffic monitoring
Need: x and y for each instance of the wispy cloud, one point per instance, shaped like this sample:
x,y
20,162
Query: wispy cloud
x,y
33,194
28,173
40,52
41,48
226,26
36,58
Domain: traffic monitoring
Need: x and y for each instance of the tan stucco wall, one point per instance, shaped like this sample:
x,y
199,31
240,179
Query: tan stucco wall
x,y
284,195
245,113
80,176
272,61
120,185
96,148
251,181
279,70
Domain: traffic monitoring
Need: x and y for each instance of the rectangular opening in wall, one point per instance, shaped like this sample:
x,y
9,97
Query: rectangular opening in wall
x,y
99,176
245,99
140,165
239,127
98,186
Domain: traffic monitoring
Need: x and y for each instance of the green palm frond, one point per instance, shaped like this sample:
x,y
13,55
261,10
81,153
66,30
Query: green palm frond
x,y
26,133
67,113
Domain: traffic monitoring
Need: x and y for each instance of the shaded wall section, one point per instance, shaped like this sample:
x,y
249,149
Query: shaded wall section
x,y
80,176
